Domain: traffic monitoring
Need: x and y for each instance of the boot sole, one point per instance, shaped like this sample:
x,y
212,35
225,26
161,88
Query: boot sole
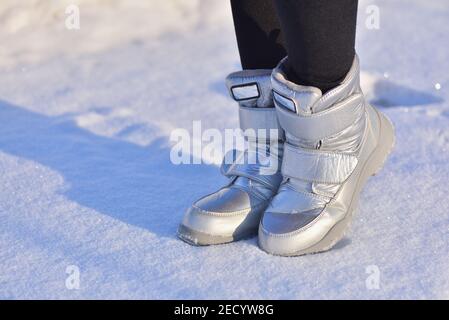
x,y
197,238
372,166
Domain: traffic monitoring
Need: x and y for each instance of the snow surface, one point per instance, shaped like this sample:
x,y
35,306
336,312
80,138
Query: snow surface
x,y
85,176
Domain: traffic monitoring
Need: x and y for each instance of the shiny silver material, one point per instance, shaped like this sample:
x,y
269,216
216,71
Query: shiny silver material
x,y
285,102
258,118
247,79
310,126
317,166
245,92
334,142
234,211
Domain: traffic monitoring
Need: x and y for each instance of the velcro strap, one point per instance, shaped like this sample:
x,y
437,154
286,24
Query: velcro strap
x,y
248,164
324,124
259,121
317,166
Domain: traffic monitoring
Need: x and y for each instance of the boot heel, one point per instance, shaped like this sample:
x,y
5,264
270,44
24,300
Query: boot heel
x,y
385,143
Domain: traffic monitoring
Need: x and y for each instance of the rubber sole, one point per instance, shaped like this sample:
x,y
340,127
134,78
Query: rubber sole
x,y
372,166
197,238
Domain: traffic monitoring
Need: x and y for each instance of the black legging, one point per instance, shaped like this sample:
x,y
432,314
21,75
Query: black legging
x,y
317,35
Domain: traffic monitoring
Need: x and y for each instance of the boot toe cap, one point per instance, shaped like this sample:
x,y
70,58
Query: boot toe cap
x,y
288,234
229,213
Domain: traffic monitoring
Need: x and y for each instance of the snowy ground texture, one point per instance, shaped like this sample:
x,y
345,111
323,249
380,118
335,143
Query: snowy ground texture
x,y
85,176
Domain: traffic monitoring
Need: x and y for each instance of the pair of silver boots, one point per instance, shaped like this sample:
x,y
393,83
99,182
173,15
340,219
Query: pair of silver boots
x,y
301,197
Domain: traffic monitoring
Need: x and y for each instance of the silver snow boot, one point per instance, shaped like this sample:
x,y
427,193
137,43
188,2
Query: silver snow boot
x,y
334,142
234,211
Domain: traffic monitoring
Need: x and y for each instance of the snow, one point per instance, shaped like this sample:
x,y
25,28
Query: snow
x,y
86,179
